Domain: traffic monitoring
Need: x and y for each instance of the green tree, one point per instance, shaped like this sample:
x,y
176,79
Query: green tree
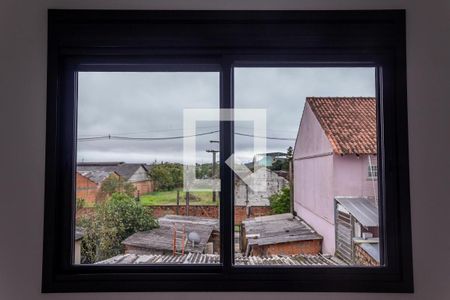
x,y
167,176
203,171
116,184
283,164
280,203
289,152
278,165
113,221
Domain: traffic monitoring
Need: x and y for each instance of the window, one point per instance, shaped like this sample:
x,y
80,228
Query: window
x,y
130,149
206,151
372,172
313,149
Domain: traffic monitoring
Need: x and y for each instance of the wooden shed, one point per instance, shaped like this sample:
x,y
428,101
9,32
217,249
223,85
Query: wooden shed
x,y
175,236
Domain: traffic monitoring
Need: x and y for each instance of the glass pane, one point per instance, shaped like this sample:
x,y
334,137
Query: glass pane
x,y
132,206
313,194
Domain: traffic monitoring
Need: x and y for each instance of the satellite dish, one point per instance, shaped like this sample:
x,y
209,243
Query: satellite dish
x,y
194,237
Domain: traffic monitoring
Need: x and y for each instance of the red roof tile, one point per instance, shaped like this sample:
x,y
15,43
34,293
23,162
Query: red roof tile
x,y
349,123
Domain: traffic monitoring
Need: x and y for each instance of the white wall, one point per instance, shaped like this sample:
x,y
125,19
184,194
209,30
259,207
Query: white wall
x,y
22,127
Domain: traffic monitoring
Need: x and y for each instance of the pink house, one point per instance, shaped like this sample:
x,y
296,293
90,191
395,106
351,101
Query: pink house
x,y
334,156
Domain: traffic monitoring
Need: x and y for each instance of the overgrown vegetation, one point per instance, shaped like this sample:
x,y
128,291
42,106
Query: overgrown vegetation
x,y
283,164
80,203
280,203
203,171
115,184
166,176
113,221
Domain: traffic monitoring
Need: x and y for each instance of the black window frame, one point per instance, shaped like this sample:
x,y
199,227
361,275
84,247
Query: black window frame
x,y
201,40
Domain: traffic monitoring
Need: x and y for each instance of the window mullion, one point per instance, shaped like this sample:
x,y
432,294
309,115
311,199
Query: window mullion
x,y
227,186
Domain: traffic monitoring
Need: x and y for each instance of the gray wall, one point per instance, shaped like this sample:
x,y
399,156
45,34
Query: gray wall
x,y
22,127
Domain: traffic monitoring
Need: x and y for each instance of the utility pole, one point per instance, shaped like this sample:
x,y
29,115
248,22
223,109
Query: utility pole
x,y
214,175
188,199
214,152
178,202
290,158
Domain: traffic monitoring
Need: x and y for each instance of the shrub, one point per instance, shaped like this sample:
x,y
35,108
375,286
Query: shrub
x,y
281,202
80,203
113,221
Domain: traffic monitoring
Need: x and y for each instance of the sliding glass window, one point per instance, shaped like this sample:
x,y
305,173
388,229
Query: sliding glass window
x,y
131,204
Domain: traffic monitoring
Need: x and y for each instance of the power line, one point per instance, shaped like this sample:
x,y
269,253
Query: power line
x,y
117,137
264,137
96,136
128,138
145,131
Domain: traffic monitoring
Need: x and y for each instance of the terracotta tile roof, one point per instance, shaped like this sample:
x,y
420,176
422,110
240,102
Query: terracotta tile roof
x,y
349,123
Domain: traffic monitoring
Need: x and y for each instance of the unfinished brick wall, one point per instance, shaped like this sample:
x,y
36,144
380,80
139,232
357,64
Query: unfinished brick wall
x,y
291,248
210,211
86,189
240,212
143,187
363,258
207,211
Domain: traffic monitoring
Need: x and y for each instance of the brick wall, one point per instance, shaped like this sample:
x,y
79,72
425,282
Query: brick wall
x,y
207,211
143,187
291,248
210,211
86,189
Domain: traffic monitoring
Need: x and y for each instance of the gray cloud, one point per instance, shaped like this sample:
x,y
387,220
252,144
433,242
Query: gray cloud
x,y
151,105
282,91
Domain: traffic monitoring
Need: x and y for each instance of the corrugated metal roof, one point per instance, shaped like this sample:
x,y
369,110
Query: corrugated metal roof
x,y
197,258
361,208
277,229
125,170
190,258
79,233
96,176
161,239
169,220
373,249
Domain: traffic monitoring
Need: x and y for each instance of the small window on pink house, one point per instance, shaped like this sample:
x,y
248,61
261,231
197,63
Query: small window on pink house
x,y
372,172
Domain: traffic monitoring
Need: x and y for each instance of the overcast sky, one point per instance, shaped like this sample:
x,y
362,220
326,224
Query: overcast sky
x,y
150,104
